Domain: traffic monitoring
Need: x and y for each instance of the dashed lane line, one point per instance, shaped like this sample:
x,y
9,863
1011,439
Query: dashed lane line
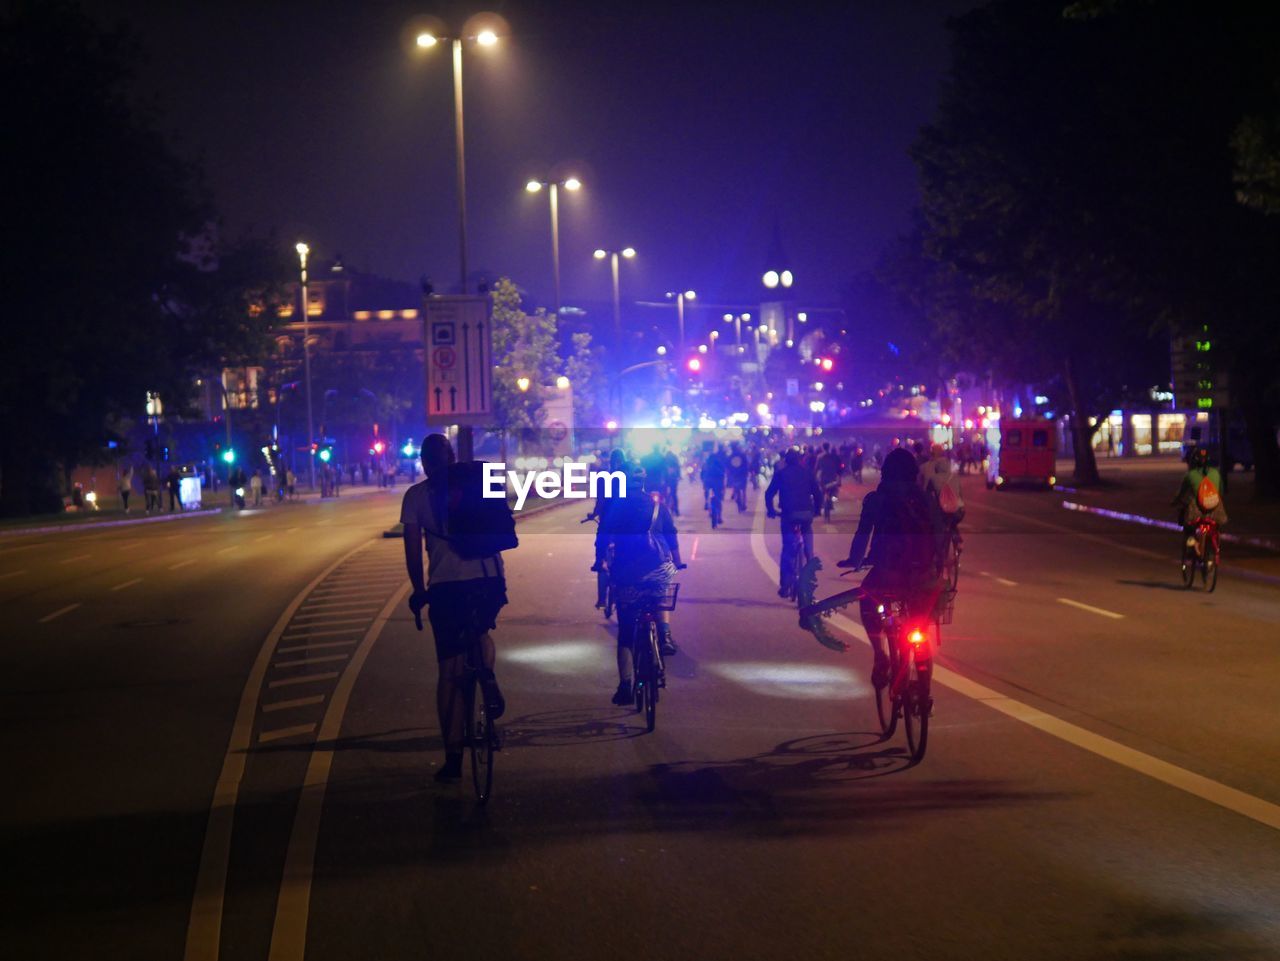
x,y
295,702
78,557
204,929
282,733
334,616
59,612
264,537
1006,582
302,661
9,574
333,622
181,564
303,679
129,547
310,634
227,550
121,587
1091,609
1225,796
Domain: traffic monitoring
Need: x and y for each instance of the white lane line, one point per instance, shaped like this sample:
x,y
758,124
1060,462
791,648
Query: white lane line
x,y
693,554
204,928
290,530
121,587
338,605
1255,808
264,537
225,550
78,557
129,547
1006,582
306,635
1091,609
281,733
296,702
293,907
181,564
346,614
334,622
299,662
58,613
10,574
313,647
303,679
338,595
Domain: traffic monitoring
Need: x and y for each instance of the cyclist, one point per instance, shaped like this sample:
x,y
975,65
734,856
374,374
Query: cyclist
x,y
939,481
828,469
646,555
904,555
714,469
617,462
799,501
736,474
1200,495
462,597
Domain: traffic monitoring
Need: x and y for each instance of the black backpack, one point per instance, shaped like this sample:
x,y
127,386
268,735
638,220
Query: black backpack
x,y
476,526
906,532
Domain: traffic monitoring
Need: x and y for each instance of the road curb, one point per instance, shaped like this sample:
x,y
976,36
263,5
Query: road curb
x,y
94,525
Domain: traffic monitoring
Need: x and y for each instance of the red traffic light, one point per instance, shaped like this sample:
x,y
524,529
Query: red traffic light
x,y
378,447
695,364
827,363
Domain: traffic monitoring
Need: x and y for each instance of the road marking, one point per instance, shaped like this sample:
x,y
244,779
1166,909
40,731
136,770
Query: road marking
x,y
1091,609
310,634
290,530
693,554
121,587
204,929
224,550
340,605
284,732
1255,808
333,595
289,932
264,537
347,615
11,574
78,557
181,564
334,622
296,702
313,647
311,660
58,613
303,679
1006,582
129,547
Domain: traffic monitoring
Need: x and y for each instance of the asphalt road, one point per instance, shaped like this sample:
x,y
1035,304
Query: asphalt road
x,y
1102,780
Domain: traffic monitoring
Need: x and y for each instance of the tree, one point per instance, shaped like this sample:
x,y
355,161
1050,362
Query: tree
x,y
583,369
112,287
524,353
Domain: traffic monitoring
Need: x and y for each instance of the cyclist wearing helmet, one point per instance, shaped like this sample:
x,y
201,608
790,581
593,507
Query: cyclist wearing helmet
x,y
646,555
1200,494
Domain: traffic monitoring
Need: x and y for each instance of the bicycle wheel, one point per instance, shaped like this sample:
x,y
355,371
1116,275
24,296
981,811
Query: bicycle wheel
x,y
480,739
1188,567
1209,572
608,601
915,717
886,707
650,662
953,565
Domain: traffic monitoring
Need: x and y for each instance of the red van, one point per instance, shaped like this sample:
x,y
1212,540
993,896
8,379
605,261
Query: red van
x,y
1027,454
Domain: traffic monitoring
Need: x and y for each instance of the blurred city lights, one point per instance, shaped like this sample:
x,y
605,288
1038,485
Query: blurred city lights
x,y
770,279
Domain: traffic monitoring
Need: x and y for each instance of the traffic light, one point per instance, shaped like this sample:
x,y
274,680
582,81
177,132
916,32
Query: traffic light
x,y
695,365
378,447
164,453
229,456
827,363
408,449
326,453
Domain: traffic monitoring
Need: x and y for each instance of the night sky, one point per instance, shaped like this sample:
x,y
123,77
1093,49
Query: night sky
x,y
693,128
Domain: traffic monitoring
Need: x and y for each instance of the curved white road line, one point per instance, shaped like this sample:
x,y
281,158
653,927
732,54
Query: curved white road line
x,y
204,930
1255,808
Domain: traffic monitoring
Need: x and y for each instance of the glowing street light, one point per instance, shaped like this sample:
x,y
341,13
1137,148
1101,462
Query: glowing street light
x,y
303,251
569,183
613,255
523,383
680,297
562,382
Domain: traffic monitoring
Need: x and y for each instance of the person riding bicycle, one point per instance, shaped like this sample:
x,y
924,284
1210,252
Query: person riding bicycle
x,y
799,501
829,469
737,468
462,597
617,462
939,481
646,555
903,556
1200,495
714,469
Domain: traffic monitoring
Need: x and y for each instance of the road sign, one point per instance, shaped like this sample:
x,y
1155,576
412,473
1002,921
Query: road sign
x,y
1198,382
459,358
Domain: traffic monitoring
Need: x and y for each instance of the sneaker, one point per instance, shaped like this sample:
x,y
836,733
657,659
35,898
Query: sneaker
x,y
622,696
494,703
668,647
847,562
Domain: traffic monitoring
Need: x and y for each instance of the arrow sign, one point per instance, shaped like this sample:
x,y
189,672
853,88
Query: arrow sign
x,y
438,392
453,399
466,362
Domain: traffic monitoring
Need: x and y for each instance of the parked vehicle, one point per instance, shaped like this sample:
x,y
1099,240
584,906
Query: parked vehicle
x,y
1027,454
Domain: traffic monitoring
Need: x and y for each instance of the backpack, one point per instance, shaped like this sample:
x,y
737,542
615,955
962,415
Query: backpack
x,y
948,499
905,535
1207,495
476,526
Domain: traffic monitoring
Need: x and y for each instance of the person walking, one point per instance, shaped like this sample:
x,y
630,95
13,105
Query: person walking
x,y
174,483
151,488
255,487
125,486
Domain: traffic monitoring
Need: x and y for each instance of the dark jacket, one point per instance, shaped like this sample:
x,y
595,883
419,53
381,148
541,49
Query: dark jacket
x,y
873,517
797,493
642,539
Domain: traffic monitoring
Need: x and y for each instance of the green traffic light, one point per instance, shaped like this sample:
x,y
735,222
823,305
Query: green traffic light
x,y
325,455
229,456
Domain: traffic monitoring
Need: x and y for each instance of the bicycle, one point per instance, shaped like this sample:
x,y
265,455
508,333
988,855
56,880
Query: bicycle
x,y
1202,551
717,506
829,492
480,736
649,672
740,496
605,599
795,558
951,557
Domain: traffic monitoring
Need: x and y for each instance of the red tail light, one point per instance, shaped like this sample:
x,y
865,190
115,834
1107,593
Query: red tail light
x,y
917,637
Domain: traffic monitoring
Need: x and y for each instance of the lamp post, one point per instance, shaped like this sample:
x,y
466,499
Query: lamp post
x,y
486,38
680,297
303,251
613,255
553,191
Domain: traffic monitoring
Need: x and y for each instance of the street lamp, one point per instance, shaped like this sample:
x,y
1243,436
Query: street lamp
x,y
613,255
569,183
680,297
485,38
303,250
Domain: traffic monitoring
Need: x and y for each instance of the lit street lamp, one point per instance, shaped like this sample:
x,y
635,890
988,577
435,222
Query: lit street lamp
x,y
570,183
485,38
303,250
680,297
613,255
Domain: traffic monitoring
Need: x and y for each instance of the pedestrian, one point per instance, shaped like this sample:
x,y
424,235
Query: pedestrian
x,y
151,488
174,483
126,486
291,482
255,487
